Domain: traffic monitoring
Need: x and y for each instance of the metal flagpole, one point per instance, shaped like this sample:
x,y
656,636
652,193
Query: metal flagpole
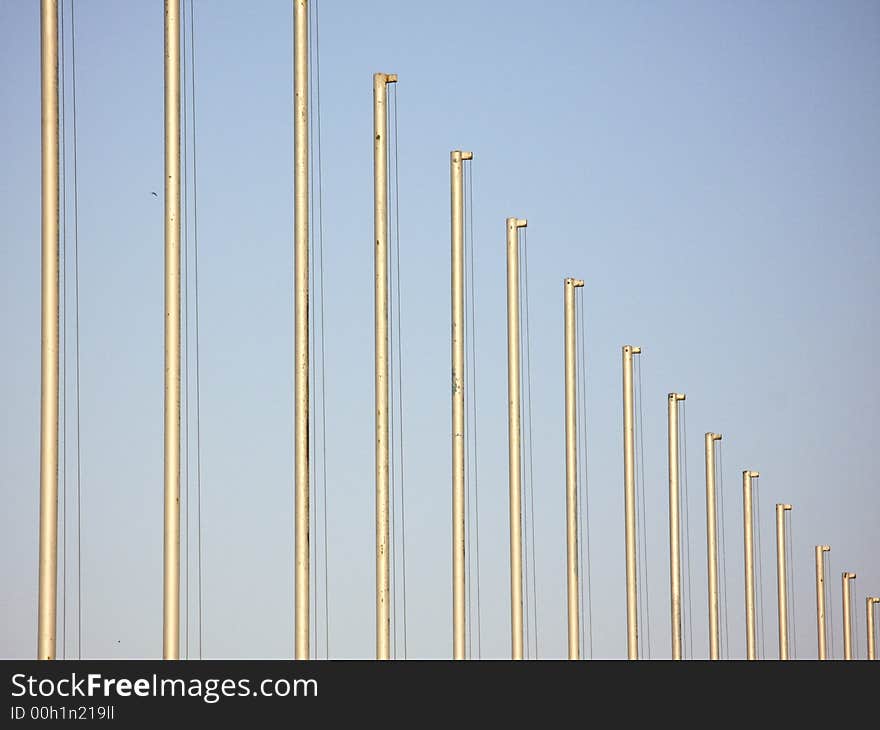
x,y
629,494
458,385
171,595
751,634
820,598
49,391
674,524
781,575
513,435
847,626
380,195
712,545
571,464
869,618
301,325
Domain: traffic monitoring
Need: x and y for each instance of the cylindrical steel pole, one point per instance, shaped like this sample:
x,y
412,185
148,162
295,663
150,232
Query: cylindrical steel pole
x,y
171,622
301,325
380,196
513,436
820,598
629,500
571,464
674,524
751,632
847,624
712,545
458,385
781,579
869,620
48,560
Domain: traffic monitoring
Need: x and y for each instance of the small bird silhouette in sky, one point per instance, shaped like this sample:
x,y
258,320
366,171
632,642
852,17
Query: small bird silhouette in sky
x,y
153,192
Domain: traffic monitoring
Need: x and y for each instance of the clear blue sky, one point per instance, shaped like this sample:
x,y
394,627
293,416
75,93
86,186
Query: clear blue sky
x,y
710,169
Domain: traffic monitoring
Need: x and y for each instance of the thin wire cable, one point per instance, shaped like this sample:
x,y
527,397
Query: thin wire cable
x,y
312,443
719,474
640,609
524,502
313,395
316,353
468,482
468,455
63,342
399,378
531,442
185,286
682,445
757,519
76,363
580,482
469,179
826,569
392,362
198,423
322,380
523,481
524,536
313,447
643,552
791,600
395,378
584,503
400,367
853,621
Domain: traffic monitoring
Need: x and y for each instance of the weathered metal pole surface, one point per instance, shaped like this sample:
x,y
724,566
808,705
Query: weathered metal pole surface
x,y
48,560
820,599
456,166
513,436
751,630
171,596
712,546
847,623
674,524
569,287
301,325
781,579
629,499
380,195
869,619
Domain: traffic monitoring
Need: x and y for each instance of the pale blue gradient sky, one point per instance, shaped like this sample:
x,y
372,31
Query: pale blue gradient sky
x,y
710,169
